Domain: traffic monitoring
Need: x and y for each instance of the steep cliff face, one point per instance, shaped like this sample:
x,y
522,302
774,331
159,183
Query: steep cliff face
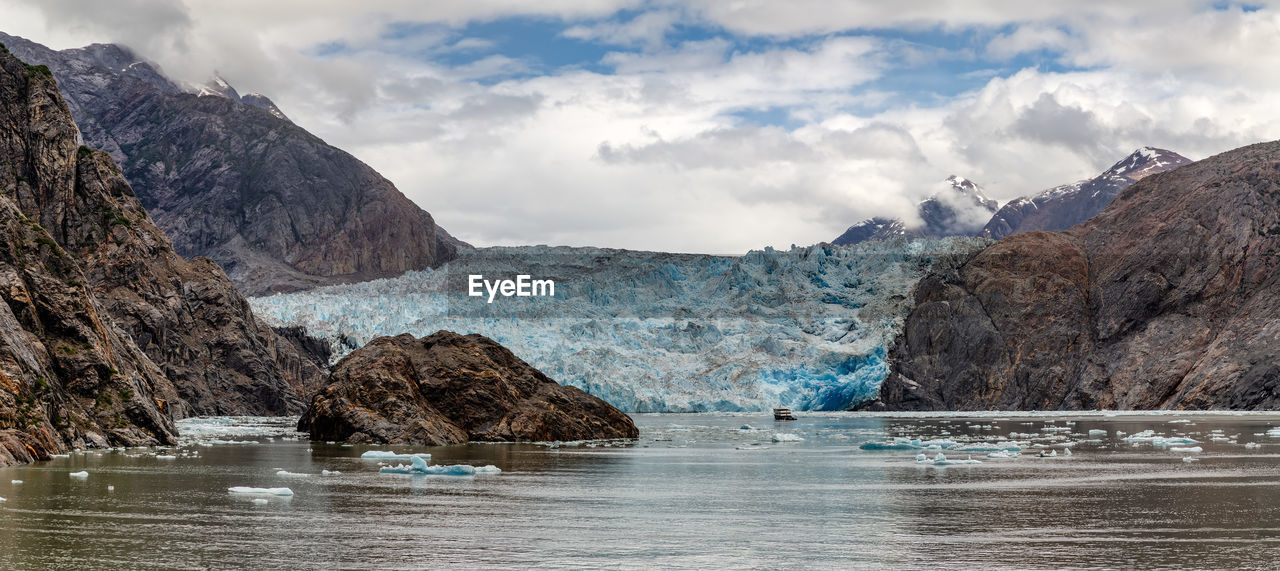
x,y
68,377
1167,299
231,178
125,320
1062,207
447,389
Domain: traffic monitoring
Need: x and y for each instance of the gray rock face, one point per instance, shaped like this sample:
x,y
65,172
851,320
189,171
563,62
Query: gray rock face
x,y
231,178
448,389
961,210
1065,206
108,334
1167,299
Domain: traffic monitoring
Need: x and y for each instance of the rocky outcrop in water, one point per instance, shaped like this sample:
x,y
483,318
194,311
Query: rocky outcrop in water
x,y
231,178
1062,207
447,389
1169,298
109,334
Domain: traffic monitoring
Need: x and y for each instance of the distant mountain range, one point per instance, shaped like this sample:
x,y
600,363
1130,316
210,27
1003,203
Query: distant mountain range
x,y
958,210
1058,208
1062,207
230,177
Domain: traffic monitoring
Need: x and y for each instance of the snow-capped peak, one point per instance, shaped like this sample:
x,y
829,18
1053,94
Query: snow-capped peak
x,y
1146,161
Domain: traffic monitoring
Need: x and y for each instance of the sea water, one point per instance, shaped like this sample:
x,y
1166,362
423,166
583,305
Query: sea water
x,y
695,491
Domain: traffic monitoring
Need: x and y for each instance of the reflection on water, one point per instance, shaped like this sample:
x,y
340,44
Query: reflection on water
x,y
695,491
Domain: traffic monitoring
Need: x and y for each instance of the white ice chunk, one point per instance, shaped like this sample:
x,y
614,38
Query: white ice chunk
x,y
288,474
262,491
488,469
786,437
259,501
15,481
80,474
166,457
387,455
1097,432
330,473
1187,449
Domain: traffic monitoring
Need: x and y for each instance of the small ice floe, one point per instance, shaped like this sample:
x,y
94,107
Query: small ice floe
x,y
941,460
897,444
1187,449
1048,454
746,428
3,500
1273,432
419,466
1180,421
260,491
1004,454
80,474
111,488
1190,459
330,473
752,446
386,455
259,501
488,469
1252,445
15,481
786,437
1097,432
1066,451
288,474
59,455
989,447
166,457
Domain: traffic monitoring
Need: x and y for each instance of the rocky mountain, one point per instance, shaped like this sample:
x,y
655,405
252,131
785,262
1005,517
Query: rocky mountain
x,y
959,210
108,334
1169,298
231,178
1065,206
448,389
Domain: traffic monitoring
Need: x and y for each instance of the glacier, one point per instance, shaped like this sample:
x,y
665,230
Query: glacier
x,y
807,328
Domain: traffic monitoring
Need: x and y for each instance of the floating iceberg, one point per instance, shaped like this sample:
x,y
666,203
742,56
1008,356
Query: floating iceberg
x,y
786,437
166,457
1187,449
80,474
15,481
489,469
419,465
807,328
1003,454
385,455
895,445
260,491
1096,432
288,474
330,473
941,460
259,501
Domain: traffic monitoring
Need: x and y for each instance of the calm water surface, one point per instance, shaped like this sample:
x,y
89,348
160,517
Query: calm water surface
x,y
695,491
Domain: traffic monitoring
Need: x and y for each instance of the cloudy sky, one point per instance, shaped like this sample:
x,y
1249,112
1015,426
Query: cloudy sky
x,y
711,125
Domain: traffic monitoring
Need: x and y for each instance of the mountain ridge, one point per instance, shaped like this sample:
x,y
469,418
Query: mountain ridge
x,y
231,178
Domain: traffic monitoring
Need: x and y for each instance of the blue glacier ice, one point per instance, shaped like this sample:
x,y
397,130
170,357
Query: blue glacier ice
x,y
807,328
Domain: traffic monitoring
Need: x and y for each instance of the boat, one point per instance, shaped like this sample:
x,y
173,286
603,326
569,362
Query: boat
x,y
783,414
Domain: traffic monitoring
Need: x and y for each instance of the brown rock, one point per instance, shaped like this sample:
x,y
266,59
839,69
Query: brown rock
x,y
1167,299
448,389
